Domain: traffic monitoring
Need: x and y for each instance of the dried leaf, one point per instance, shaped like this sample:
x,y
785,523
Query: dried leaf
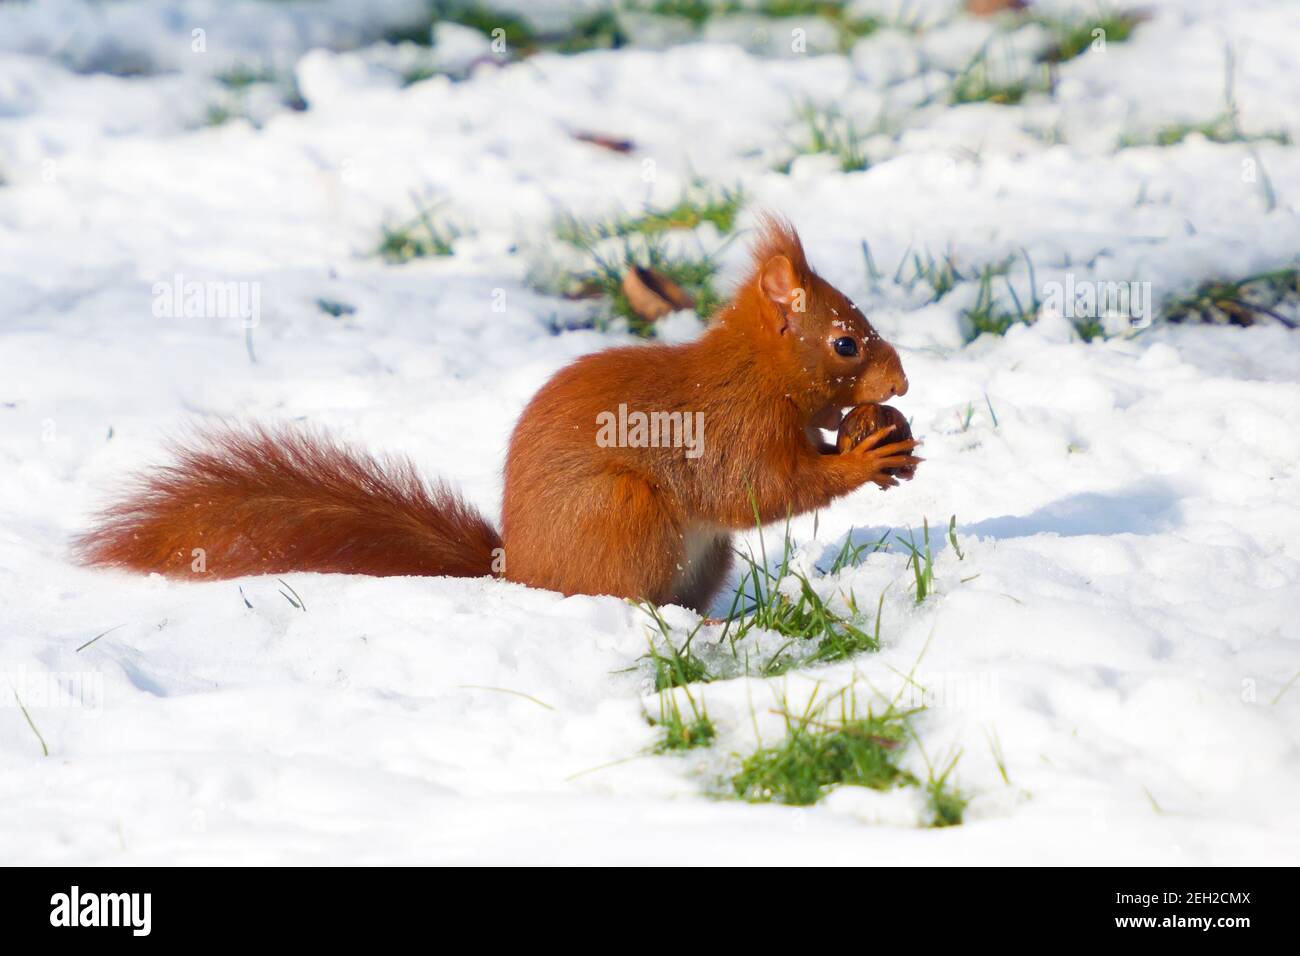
x,y
612,143
987,8
653,295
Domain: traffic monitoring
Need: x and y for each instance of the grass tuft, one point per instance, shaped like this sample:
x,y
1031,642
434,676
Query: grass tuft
x,y
1074,36
802,618
1246,301
921,561
783,603
611,25
680,731
419,238
243,75
1223,128
826,131
613,246
952,538
849,25
238,81
698,204
999,758
45,750
941,275
822,751
819,751
980,82
597,29
990,313
850,554
696,273
673,666
334,308
517,31
219,114
296,600
819,754
947,802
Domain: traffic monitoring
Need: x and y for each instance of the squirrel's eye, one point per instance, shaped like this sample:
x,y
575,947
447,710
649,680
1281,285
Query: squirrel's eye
x,y
846,346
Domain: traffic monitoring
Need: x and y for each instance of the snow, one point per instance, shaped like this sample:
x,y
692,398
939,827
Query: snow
x,y
1122,623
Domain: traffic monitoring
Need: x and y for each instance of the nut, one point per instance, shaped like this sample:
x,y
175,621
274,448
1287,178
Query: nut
x,y
865,420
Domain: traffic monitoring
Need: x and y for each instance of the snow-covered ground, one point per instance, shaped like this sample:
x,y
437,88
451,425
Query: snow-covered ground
x,y
1122,626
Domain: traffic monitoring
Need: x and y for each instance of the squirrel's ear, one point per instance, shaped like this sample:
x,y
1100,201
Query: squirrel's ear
x,y
779,281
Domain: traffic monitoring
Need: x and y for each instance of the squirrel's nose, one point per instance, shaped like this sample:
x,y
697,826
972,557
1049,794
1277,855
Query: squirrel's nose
x,y
890,380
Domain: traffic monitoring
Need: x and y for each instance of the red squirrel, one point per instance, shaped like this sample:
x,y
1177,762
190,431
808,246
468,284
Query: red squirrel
x,y
592,504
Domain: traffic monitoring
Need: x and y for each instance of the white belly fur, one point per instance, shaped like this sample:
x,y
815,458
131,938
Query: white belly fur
x,y
697,548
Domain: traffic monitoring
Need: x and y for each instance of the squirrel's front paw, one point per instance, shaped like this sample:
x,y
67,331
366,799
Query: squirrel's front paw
x,y
863,435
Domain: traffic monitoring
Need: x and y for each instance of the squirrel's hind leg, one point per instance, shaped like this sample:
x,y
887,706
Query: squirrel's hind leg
x,y
706,562
609,534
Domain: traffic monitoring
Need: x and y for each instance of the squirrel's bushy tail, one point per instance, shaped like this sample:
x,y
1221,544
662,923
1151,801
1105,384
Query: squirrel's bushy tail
x,y
270,501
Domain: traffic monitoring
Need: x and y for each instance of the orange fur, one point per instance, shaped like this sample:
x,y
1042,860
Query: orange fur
x,y
630,520
261,501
